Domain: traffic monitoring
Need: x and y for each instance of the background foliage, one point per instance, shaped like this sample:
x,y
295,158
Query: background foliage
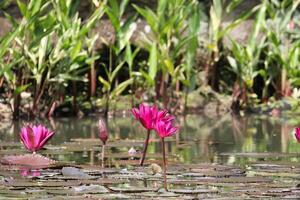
x,y
54,56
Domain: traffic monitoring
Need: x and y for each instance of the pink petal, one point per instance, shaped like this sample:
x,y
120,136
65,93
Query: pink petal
x,y
161,114
135,113
297,134
43,142
27,137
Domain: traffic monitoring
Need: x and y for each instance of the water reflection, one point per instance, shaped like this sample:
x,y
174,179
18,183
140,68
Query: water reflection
x,y
29,173
201,139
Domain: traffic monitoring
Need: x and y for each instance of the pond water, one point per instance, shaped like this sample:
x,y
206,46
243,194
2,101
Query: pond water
x,y
224,139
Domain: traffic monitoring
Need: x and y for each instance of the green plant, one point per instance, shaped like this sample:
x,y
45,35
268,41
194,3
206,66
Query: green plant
x,y
216,33
73,54
123,33
16,73
42,60
245,59
283,47
167,43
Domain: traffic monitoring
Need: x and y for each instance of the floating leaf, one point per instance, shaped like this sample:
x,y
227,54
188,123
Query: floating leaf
x,y
29,160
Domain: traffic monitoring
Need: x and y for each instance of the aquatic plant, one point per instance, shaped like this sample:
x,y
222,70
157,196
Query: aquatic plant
x,y
148,116
35,137
297,134
103,135
165,129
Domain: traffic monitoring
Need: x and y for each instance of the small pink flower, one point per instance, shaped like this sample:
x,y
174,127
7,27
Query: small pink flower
x,y
164,116
146,115
297,134
165,128
35,137
149,115
103,132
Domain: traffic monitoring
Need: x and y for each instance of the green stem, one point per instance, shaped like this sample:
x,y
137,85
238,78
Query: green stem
x,y
145,148
102,155
164,164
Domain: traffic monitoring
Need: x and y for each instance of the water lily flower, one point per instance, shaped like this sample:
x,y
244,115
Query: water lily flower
x,y
35,137
103,135
297,134
165,129
148,116
103,132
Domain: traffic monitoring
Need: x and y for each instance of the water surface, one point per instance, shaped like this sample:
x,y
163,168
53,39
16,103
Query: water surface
x,y
224,139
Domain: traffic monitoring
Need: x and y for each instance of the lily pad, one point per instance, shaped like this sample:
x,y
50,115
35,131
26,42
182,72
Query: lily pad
x,y
90,189
192,191
29,160
25,184
132,189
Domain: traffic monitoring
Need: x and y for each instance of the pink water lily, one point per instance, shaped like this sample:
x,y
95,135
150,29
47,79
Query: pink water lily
x,y
35,137
165,128
297,134
103,135
148,117
103,132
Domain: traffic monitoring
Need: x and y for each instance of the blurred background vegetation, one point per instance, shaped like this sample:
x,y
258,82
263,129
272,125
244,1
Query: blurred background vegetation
x,y
61,57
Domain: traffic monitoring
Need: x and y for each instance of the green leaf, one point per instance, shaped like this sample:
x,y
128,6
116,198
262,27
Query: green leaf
x,y
149,16
115,71
92,59
258,24
121,87
169,65
128,56
232,5
114,7
75,50
6,40
42,52
91,21
20,89
245,15
11,19
162,4
113,18
105,83
233,64
123,6
153,62
22,8
35,7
